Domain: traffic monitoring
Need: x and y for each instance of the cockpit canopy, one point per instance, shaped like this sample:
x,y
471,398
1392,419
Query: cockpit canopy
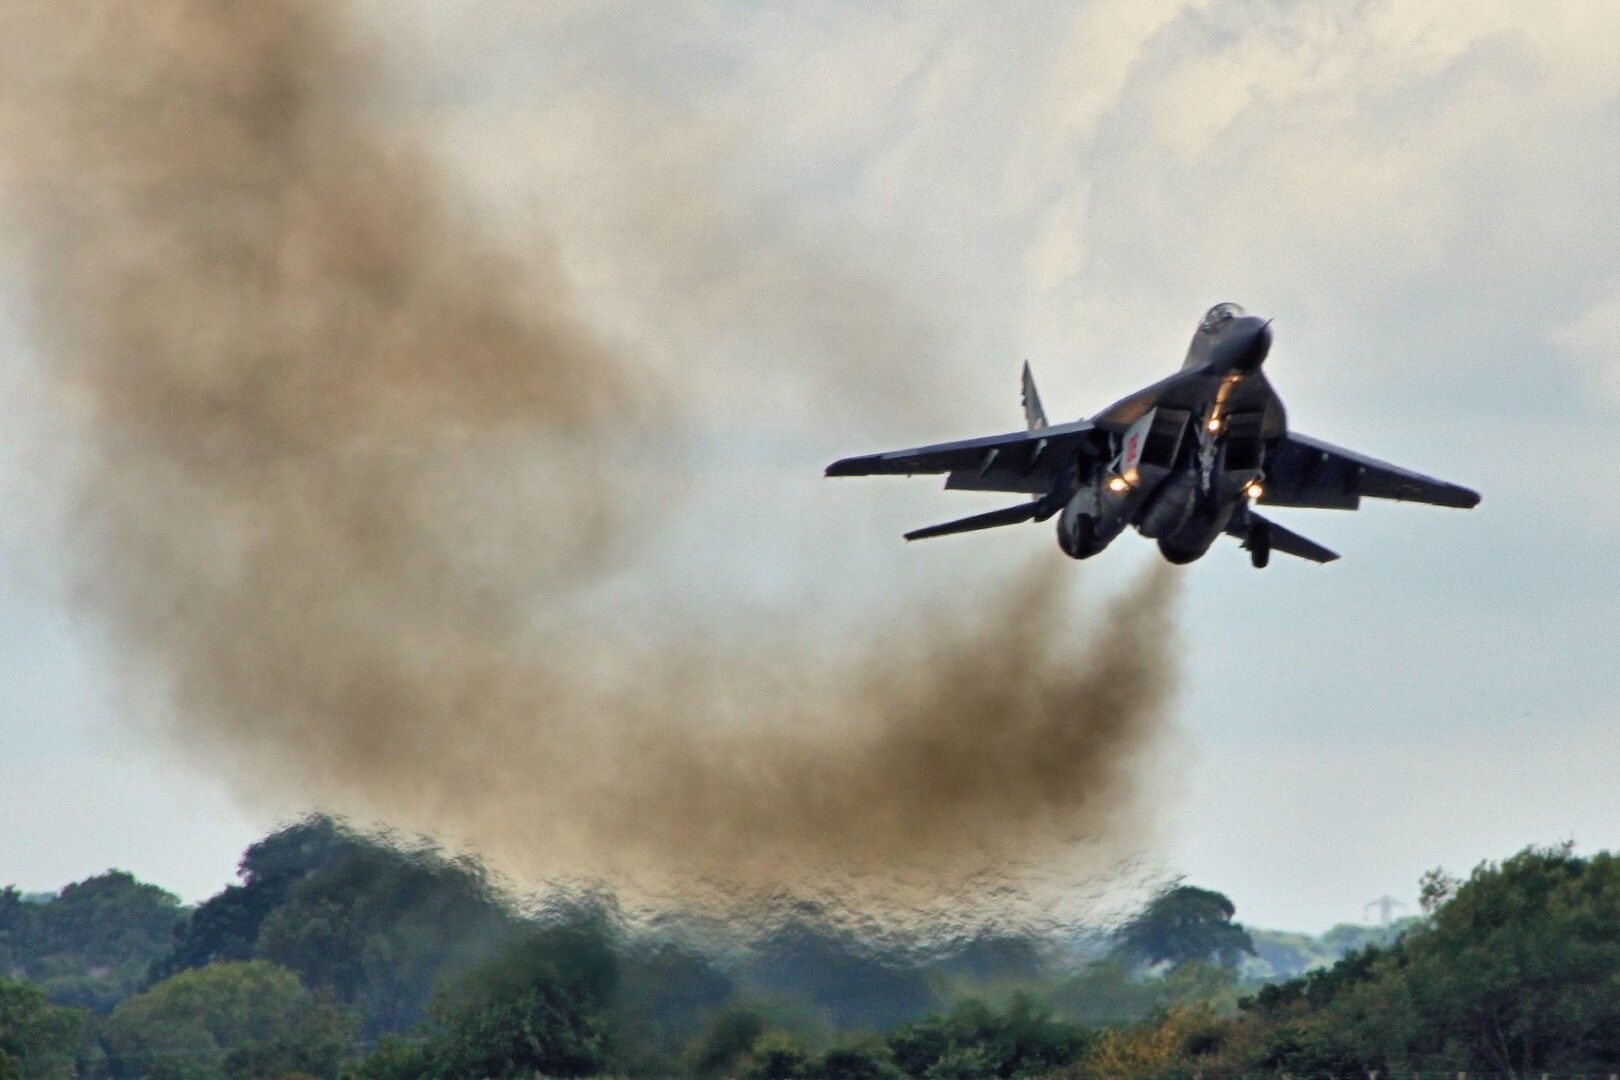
x,y
1219,314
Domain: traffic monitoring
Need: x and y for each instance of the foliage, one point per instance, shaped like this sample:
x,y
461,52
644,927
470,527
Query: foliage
x,y
850,984
1521,967
1198,982
975,1040
538,1008
1109,991
780,1062
855,1063
19,931
91,943
1435,888
380,928
1185,923
667,993
375,924
1516,971
395,1057
38,1040
1170,1045
730,1038
227,926
235,1020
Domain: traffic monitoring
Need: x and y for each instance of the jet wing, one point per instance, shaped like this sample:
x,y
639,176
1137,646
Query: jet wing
x,y
1301,471
1027,461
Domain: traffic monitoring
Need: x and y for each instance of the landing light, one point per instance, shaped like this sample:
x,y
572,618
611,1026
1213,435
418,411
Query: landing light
x,y
1254,490
1214,424
1118,485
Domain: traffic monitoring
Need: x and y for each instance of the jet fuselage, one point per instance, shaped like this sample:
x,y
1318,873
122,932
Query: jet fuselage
x,y
1181,461
1188,451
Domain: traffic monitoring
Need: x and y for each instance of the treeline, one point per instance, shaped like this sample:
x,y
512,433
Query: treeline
x,y
1516,971
93,944
343,957
343,953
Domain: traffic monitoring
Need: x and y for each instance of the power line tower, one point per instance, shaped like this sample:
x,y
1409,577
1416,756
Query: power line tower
x,y
1385,906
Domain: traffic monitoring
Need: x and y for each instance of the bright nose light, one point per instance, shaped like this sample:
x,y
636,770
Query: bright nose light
x,y
1214,423
1118,485
1255,490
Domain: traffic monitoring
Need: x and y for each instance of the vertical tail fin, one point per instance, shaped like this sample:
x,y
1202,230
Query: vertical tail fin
x,y
1033,413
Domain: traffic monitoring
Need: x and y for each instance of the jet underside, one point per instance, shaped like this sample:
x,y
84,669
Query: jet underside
x,y
1182,461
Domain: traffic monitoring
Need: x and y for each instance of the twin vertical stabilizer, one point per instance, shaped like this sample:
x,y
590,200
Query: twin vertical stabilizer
x,y
1033,413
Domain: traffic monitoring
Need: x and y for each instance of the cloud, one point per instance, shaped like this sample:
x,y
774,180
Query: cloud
x,y
1589,341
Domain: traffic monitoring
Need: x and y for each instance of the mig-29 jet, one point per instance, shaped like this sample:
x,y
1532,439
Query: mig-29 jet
x,y
1184,461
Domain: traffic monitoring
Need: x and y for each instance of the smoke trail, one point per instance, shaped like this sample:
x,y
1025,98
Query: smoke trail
x,y
350,477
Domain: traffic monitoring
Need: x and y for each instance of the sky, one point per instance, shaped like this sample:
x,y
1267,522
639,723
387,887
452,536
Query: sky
x,y
1420,194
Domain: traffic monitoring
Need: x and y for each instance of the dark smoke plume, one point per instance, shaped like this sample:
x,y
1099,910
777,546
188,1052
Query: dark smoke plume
x,y
349,476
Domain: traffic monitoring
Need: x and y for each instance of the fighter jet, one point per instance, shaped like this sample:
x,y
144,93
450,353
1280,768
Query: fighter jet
x,y
1183,461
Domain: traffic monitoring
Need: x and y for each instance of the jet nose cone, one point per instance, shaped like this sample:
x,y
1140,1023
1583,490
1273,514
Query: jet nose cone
x,y
1253,343
1262,343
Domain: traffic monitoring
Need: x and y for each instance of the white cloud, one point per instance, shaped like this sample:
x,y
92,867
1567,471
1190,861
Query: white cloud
x,y
1592,341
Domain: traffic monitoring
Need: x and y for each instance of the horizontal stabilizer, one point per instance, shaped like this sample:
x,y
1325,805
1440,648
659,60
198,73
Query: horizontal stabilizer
x,y
1273,537
1291,543
1013,515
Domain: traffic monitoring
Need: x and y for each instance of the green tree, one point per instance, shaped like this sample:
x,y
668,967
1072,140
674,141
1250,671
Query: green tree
x,y
376,924
19,931
666,994
975,1039
1204,983
779,1063
38,1040
855,1063
227,925
395,1057
540,1007
316,1041
1107,992
227,1020
382,927
110,921
1518,970
91,943
1185,923
730,1037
